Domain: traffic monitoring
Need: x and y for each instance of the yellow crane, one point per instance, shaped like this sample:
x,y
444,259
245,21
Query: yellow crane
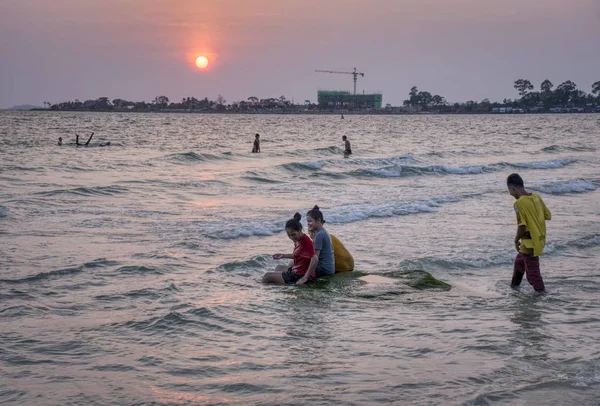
x,y
354,73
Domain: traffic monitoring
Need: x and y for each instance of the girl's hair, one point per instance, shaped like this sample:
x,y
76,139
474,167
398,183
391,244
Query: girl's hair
x,y
294,223
316,214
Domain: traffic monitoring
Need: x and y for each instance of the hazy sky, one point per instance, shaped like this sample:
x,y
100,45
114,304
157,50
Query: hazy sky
x,y
57,50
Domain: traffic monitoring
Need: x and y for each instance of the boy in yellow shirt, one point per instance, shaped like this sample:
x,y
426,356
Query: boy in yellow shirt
x,y
530,240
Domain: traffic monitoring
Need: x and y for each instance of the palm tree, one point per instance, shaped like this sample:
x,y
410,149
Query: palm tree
x,y
596,88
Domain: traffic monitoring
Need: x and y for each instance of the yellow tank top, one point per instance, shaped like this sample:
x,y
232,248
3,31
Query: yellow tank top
x,y
343,259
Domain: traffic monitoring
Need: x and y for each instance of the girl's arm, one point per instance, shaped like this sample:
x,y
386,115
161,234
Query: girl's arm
x,y
281,256
310,272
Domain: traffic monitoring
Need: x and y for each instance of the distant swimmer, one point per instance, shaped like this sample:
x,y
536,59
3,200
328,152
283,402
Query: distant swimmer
x,y
84,145
342,116
256,147
59,141
347,147
530,240
303,257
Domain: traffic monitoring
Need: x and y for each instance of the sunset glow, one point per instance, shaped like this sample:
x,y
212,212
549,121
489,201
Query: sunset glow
x,y
254,49
202,62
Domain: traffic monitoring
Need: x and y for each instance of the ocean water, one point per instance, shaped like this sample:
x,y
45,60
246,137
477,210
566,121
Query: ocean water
x,y
130,274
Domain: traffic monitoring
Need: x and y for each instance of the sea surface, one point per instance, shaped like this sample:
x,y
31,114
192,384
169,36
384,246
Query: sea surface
x,y
130,274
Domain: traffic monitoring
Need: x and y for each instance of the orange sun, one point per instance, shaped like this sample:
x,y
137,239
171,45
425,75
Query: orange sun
x,y
202,62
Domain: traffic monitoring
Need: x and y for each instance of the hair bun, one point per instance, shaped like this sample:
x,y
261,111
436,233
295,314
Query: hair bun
x,y
316,207
297,216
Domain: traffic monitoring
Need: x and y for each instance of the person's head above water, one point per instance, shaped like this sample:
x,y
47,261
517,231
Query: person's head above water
x,y
515,185
257,136
344,138
293,228
314,219
59,140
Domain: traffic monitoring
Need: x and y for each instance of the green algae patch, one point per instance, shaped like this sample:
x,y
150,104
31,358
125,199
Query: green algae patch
x,y
418,279
390,283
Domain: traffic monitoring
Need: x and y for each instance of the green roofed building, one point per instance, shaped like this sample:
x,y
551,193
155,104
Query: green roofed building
x,y
339,99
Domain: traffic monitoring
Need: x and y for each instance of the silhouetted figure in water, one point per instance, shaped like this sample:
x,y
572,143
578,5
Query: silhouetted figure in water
x,y
342,116
59,141
256,147
84,145
347,146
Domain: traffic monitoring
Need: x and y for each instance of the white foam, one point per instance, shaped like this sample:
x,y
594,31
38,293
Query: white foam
x,y
583,381
359,212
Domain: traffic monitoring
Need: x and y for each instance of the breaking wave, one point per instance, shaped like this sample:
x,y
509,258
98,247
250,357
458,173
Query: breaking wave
x,y
87,191
561,148
304,166
565,187
190,157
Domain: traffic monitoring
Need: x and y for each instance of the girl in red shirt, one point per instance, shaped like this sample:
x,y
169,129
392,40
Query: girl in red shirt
x,y
303,254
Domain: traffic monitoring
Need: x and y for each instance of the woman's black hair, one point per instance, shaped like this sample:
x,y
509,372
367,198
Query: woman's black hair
x,y
294,223
316,214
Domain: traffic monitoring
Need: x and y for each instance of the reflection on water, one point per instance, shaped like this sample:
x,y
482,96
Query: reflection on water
x,y
530,336
133,271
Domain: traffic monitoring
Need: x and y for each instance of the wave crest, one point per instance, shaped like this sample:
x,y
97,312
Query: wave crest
x,y
565,187
190,157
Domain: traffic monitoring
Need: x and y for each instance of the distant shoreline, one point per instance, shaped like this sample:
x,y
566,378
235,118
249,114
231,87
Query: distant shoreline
x,y
311,112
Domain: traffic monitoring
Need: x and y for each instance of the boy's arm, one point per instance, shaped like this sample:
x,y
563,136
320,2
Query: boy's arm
x,y
521,228
547,214
520,234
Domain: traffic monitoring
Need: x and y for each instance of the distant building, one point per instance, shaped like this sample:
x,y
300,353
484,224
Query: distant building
x,y
339,99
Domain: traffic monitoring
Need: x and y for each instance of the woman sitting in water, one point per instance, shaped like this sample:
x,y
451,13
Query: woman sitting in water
x,y
344,261
323,247
303,256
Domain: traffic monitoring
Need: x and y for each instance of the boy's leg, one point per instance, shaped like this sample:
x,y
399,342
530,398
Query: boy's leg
x,y
518,271
534,277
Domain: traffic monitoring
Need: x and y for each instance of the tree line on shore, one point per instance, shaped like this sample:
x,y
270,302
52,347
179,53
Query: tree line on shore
x,y
565,96
162,103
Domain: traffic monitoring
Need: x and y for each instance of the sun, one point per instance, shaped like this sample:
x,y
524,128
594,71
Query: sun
x,y
202,62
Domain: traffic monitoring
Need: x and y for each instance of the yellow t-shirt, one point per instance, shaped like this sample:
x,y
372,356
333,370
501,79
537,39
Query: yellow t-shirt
x,y
343,259
533,213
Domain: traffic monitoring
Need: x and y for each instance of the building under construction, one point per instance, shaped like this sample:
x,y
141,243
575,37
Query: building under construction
x,y
339,99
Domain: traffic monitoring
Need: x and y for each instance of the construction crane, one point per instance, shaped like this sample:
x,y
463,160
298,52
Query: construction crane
x,y
354,73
